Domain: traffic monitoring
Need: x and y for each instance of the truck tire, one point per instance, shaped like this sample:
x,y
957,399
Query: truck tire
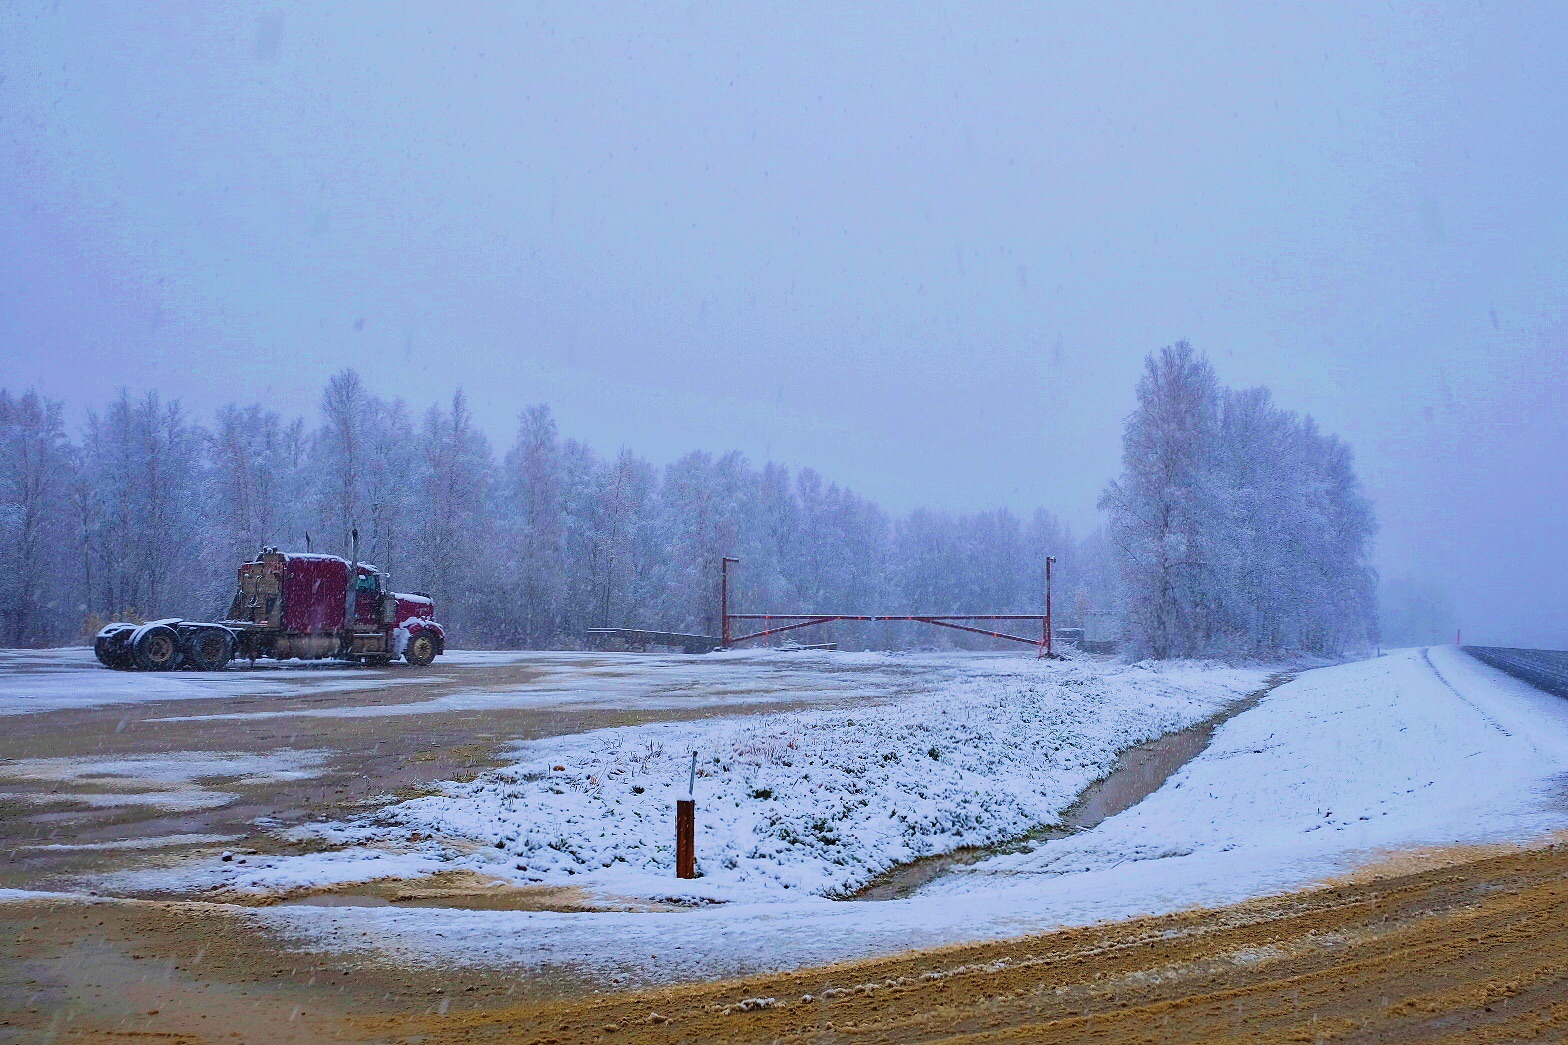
x,y
109,647
421,649
158,649
209,649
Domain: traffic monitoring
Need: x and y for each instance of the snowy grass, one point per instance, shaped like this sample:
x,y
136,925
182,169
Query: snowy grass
x,y
815,803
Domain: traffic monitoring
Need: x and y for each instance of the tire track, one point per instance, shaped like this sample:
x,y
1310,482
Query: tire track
x,y
1488,719
1475,949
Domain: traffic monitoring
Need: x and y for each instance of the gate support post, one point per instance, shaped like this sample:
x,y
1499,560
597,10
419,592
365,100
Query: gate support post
x,y
723,600
1046,649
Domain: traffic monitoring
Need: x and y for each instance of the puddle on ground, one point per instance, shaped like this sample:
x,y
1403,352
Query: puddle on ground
x,y
337,900
1138,773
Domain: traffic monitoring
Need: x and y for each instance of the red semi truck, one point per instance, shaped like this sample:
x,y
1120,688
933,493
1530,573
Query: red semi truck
x,y
288,605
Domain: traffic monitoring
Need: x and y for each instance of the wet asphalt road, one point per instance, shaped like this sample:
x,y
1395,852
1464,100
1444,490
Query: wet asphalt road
x,y
1542,668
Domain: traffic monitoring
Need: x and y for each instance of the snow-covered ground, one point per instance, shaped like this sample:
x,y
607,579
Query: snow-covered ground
x,y
1419,748
641,682
1330,772
33,681
814,802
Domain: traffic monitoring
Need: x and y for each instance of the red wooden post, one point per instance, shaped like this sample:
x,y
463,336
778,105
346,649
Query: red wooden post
x,y
686,827
686,838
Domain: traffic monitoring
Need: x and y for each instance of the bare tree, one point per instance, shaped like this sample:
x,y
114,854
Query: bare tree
x,y
454,522
533,484
35,479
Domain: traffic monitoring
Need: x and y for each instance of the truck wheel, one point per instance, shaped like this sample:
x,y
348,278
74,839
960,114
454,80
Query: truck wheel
x,y
420,651
209,649
101,651
157,649
110,649
120,653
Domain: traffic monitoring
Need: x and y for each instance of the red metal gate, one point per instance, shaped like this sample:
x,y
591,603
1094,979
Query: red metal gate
x,y
791,621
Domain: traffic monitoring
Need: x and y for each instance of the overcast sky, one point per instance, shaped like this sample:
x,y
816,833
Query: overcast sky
x,y
923,249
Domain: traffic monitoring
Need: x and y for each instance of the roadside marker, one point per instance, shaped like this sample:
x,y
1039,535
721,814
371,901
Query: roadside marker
x,y
686,827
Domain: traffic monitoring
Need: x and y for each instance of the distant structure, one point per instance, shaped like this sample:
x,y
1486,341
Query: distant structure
x,y
1101,632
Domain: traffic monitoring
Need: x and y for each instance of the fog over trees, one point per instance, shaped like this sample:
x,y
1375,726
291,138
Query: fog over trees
x,y
1237,527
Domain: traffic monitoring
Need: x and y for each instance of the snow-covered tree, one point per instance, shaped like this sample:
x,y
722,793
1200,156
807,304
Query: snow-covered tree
x,y
454,532
36,474
341,456
703,510
365,462
624,552
1160,507
1239,528
537,531
247,467
143,511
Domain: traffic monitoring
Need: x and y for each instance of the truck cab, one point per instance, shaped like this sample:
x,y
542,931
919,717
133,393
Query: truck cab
x,y
387,623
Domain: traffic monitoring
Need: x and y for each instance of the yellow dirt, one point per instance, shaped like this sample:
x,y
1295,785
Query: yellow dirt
x,y
1457,945
1475,950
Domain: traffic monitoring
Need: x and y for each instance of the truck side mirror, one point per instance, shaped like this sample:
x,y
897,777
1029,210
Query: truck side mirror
x,y
389,609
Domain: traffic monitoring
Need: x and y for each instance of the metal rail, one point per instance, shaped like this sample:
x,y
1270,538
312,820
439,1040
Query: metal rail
x,y
645,637
941,620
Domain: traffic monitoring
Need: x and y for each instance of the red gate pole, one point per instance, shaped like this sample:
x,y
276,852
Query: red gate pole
x,y
724,600
1049,651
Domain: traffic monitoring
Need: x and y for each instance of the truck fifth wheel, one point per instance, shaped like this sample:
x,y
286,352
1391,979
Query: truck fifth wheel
x,y
288,605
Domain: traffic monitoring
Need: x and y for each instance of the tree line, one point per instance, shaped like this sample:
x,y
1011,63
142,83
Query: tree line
x,y
1236,529
148,512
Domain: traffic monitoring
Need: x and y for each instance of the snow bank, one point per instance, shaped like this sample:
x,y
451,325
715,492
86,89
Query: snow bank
x,y
815,802
1419,748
